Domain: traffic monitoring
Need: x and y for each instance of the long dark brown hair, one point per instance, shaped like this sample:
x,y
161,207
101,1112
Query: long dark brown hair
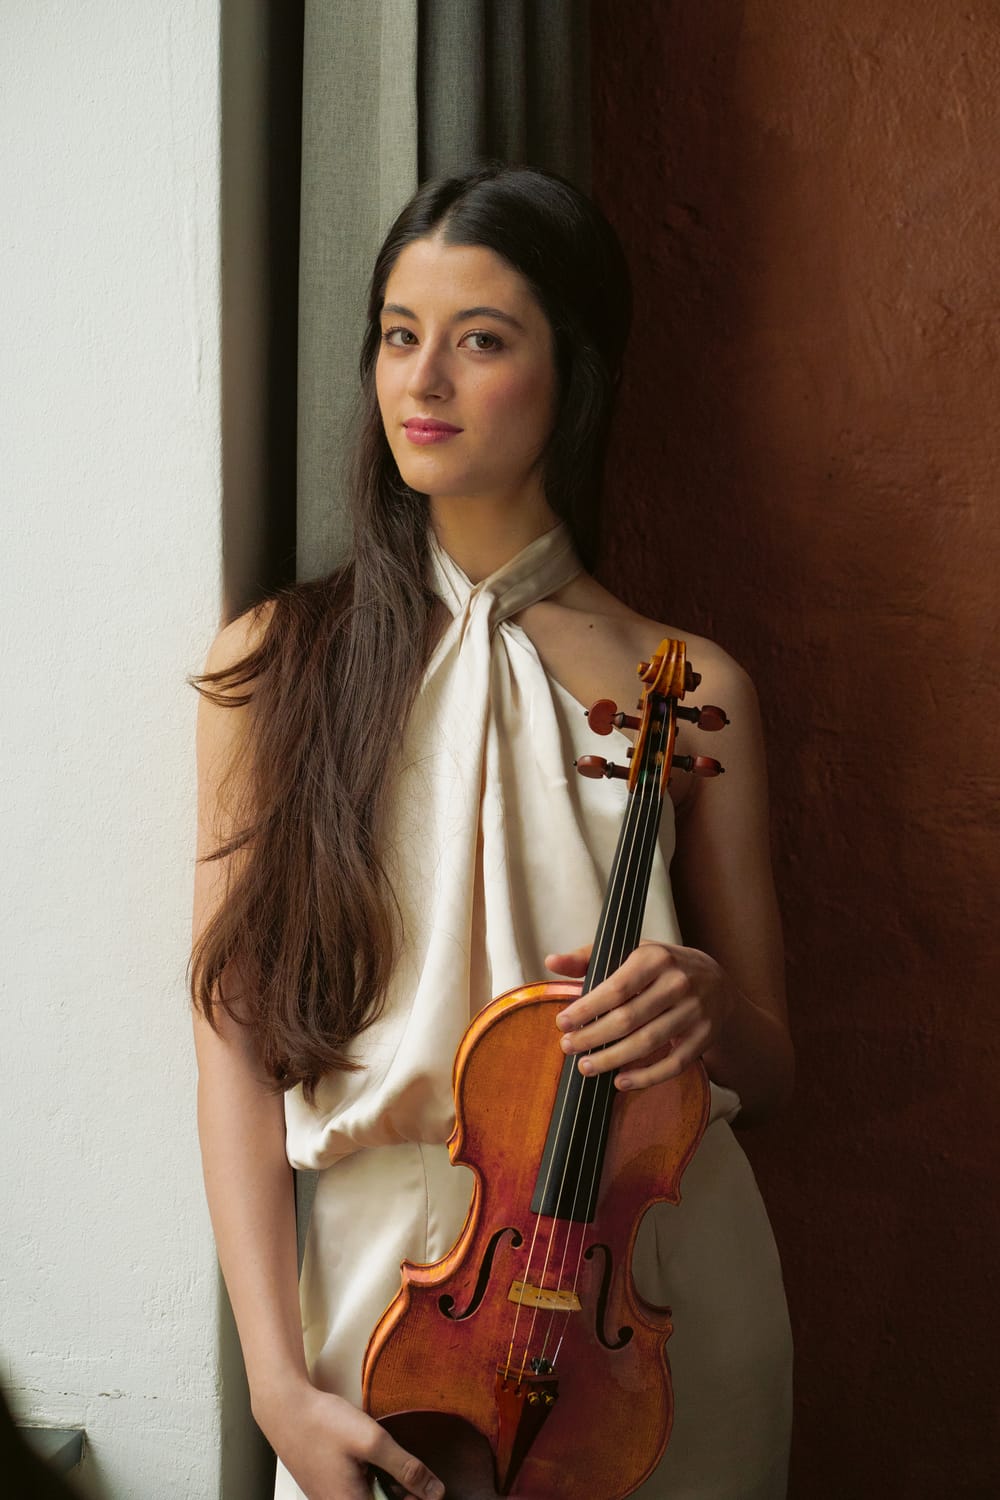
x,y
308,921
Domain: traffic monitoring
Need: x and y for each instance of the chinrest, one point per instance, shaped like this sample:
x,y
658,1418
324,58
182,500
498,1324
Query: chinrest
x,y
451,1448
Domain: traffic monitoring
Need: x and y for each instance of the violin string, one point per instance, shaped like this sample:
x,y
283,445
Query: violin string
x,y
633,924
647,815
637,837
548,1246
622,938
623,840
626,932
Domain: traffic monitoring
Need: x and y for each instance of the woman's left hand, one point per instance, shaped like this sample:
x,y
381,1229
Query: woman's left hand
x,y
663,994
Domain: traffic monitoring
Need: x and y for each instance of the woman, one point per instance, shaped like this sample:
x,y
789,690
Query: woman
x,y
391,833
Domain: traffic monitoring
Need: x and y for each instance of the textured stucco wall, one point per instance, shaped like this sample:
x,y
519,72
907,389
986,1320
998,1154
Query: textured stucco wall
x,y
109,582
807,470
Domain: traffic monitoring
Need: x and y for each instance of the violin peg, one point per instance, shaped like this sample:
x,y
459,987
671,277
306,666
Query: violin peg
x,y
596,766
698,765
708,717
601,715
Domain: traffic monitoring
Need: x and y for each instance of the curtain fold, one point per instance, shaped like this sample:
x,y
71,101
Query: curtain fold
x,y
507,79
395,91
359,164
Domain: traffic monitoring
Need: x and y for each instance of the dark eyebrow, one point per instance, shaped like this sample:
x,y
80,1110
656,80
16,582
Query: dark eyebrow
x,y
460,317
487,312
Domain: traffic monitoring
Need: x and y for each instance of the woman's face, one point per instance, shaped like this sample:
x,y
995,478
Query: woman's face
x,y
465,375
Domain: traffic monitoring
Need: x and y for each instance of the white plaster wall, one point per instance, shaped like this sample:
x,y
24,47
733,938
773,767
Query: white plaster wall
x,y
109,594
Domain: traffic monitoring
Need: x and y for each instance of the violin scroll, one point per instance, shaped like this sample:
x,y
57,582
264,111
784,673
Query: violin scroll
x,y
666,677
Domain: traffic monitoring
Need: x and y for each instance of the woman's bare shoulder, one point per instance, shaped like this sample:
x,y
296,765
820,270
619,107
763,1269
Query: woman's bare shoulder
x,y
222,688
238,639
639,635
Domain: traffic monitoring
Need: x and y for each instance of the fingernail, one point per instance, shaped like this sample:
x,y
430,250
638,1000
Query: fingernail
x,y
563,1021
586,1064
623,1082
435,1491
566,1043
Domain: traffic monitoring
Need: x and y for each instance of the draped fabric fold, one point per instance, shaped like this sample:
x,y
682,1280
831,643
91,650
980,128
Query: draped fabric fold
x,y
359,165
486,759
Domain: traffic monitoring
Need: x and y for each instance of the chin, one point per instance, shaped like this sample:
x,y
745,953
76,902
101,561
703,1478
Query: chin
x,y
435,479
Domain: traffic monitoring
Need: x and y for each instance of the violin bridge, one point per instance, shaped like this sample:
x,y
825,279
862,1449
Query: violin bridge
x,y
526,1295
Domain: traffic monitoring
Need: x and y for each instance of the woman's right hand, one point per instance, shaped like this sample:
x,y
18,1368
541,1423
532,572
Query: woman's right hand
x,y
326,1444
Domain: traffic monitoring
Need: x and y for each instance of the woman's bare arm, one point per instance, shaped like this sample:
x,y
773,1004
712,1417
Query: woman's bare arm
x,y
725,893
241,1125
324,1441
721,996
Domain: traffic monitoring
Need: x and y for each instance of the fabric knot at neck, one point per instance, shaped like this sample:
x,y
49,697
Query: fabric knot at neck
x,y
545,565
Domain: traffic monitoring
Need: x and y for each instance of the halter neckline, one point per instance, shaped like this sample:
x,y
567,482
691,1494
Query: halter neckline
x,y
540,569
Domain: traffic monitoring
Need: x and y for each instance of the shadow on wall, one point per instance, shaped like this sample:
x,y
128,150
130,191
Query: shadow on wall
x,y
26,1476
261,145
805,470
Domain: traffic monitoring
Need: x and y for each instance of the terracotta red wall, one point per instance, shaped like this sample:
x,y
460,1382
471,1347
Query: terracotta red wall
x,y
807,469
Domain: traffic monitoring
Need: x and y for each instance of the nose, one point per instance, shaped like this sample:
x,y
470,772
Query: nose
x,y
429,373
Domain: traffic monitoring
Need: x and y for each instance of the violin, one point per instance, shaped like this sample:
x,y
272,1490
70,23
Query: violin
x,y
525,1363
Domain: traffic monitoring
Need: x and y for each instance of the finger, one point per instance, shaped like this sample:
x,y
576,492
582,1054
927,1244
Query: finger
x,y
416,1480
388,1488
634,1048
573,964
680,1057
640,970
667,1001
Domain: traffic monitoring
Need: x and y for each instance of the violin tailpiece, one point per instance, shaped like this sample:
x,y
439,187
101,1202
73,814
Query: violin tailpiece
x,y
523,1403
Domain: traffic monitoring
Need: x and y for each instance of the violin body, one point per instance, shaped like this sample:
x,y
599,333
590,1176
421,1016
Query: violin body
x,y
525,1363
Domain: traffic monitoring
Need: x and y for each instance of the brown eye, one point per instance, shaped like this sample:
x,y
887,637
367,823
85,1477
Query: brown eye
x,y
491,342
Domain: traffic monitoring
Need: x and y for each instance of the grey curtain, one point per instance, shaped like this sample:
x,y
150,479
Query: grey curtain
x,y
504,78
393,93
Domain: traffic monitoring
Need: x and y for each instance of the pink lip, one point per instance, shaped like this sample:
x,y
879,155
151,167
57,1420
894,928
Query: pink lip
x,y
422,431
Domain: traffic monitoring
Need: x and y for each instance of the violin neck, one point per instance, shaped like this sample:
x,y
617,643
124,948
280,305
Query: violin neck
x,y
625,899
570,1172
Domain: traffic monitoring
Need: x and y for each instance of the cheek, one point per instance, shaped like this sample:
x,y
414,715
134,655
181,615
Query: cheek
x,y
382,384
522,399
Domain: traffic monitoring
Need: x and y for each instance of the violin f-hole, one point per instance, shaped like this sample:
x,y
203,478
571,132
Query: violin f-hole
x,y
447,1303
624,1334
